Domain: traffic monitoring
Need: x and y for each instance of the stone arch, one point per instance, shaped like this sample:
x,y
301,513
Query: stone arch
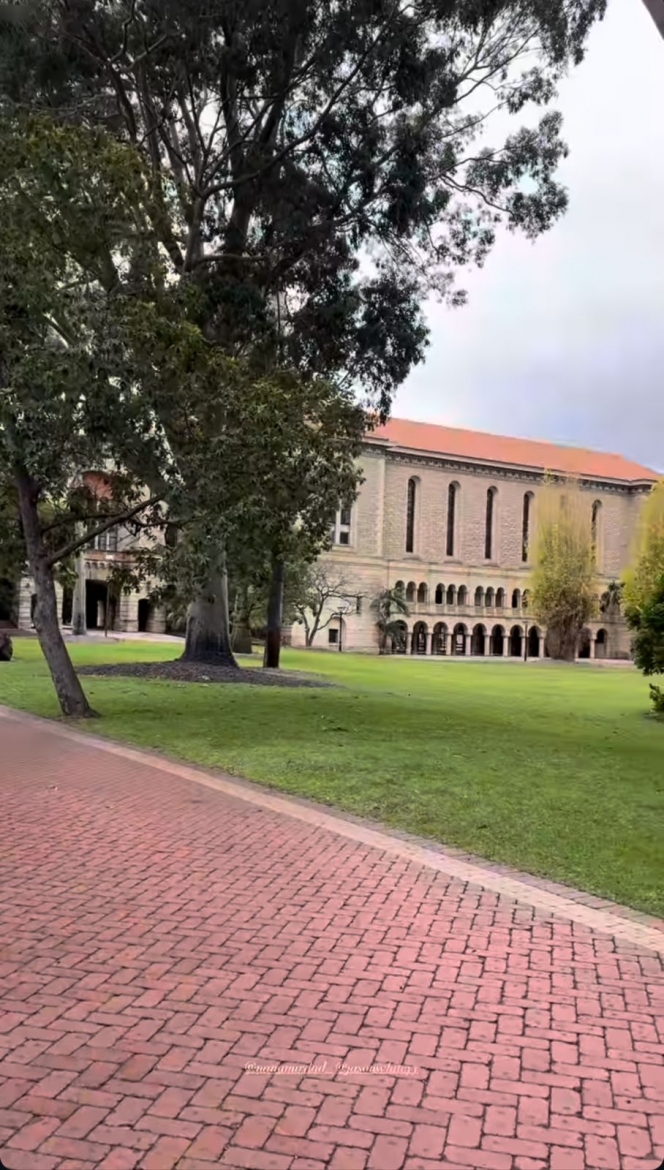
x,y
422,593
497,641
411,591
399,638
400,587
516,642
479,597
459,639
462,595
477,639
439,595
144,614
490,597
500,599
451,595
67,610
8,601
439,639
418,641
601,644
534,642
585,642
516,598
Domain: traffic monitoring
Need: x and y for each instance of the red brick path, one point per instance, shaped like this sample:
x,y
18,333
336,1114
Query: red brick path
x,y
159,938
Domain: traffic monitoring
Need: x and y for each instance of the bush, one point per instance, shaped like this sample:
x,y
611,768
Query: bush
x,y
6,648
657,697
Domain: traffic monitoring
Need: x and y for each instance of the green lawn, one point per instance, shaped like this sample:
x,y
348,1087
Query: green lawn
x,y
556,770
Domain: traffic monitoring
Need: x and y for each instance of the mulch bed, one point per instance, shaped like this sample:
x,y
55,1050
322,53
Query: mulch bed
x,y
203,672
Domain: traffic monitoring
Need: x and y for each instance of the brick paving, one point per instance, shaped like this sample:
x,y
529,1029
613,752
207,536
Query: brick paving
x,y
191,977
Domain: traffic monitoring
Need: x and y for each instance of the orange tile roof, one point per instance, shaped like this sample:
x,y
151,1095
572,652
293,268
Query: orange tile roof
x,y
526,453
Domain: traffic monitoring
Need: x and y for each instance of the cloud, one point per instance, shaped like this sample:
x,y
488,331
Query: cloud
x,y
563,339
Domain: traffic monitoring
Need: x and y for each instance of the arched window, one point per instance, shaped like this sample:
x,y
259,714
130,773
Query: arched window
x,y
452,495
410,515
500,599
595,523
440,594
462,595
488,526
411,591
422,593
451,594
489,598
516,599
525,527
525,600
400,587
479,597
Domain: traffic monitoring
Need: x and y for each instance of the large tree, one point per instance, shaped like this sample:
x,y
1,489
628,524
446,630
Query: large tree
x,y
316,165
66,205
564,581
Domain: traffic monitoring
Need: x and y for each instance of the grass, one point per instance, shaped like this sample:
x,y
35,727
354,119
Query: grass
x,y
556,770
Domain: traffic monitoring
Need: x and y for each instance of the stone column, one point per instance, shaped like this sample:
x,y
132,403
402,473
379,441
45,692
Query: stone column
x,y
156,620
24,616
506,645
427,648
445,642
467,639
593,646
487,645
127,613
78,620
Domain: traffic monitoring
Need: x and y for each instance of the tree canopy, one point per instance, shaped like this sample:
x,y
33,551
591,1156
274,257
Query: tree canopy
x,y
564,582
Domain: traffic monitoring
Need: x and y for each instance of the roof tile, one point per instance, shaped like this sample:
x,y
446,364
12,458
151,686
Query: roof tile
x,y
527,453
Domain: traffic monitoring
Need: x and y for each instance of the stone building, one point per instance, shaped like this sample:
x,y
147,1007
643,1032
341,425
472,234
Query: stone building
x,y
450,516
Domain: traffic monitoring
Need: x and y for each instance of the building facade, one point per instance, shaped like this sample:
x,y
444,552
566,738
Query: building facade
x,y
105,610
450,518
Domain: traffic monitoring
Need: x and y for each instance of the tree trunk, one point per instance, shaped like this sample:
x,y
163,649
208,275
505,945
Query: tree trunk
x,y
208,636
562,644
71,695
78,619
275,606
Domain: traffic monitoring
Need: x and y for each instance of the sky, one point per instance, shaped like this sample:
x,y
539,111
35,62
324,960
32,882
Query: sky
x,y
563,338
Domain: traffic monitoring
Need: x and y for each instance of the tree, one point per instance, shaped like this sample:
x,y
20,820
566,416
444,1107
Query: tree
x,y
287,140
610,601
647,621
390,606
564,586
643,576
321,585
66,197
643,591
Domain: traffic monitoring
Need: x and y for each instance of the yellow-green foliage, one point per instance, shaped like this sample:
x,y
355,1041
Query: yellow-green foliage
x,y
564,583
647,566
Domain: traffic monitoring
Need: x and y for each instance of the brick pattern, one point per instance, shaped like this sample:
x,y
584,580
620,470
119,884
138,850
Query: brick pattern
x,y
163,942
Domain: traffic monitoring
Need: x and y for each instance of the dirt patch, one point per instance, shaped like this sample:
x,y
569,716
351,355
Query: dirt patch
x,y
202,672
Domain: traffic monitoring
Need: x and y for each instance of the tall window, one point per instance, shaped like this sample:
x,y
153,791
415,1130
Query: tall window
x,y
106,541
342,526
488,527
594,527
452,492
525,528
410,515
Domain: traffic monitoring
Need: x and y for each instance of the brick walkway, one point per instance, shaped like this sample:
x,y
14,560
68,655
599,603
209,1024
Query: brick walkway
x,y
162,942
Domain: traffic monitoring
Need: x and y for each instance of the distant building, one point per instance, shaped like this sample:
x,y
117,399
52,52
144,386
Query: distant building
x,y
450,517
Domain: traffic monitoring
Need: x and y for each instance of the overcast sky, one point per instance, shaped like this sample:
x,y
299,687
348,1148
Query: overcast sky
x,y
563,339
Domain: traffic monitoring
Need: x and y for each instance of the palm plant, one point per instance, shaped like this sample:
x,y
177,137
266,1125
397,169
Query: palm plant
x,y
390,606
